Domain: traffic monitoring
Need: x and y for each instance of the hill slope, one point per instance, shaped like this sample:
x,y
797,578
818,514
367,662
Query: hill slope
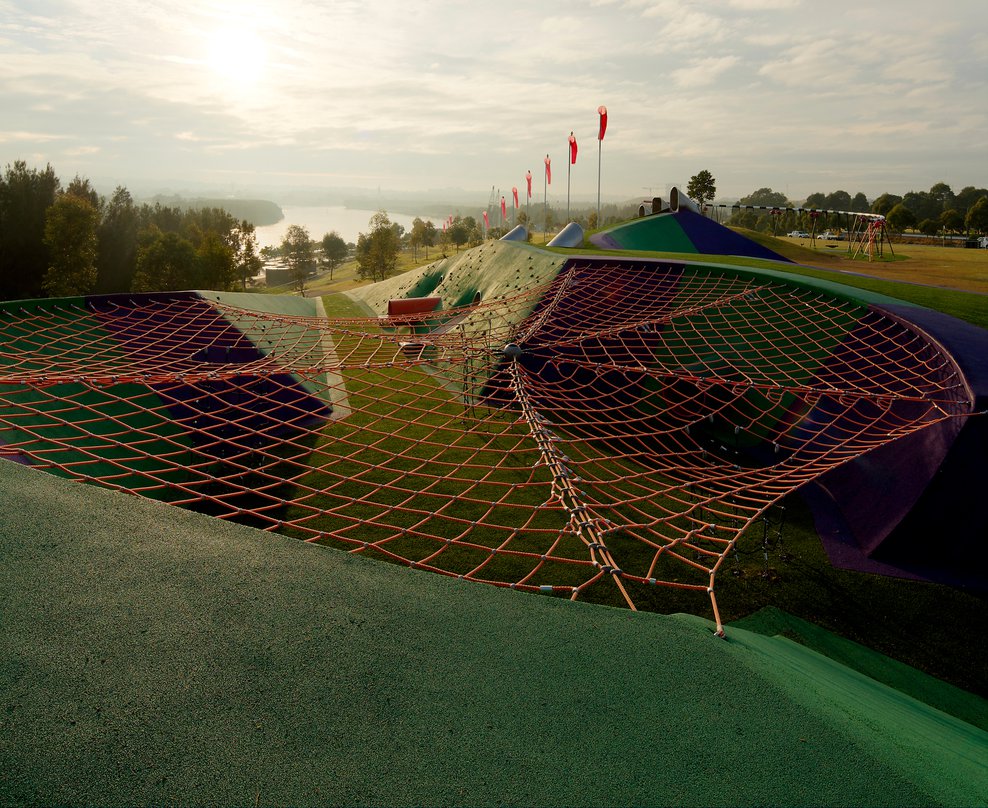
x,y
154,655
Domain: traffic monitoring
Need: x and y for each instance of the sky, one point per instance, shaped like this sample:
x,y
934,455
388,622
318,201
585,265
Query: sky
x,y
251,96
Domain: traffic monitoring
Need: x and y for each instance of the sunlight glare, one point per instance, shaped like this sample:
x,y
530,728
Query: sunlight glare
x,y
238,55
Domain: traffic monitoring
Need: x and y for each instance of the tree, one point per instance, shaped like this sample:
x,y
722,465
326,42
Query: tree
x,y
166,219
860,203
459,233
967,196
952,221
550,221
334,251
744,218
702,188
474,233
247,263
765,197
817,200
25,196
942,196
900,218
165,262
118,231
929,227
922,205
417,237
377,251
82,188
215,263
885,203
299,255
70,236
428,237
977,217
838,200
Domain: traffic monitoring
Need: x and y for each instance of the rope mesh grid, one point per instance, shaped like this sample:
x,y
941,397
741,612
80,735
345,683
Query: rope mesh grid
x,y
646,419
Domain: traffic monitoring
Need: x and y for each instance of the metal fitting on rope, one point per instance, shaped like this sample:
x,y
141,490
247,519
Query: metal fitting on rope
x,y
512,350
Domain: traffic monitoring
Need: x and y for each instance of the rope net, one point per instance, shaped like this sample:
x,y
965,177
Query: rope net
x,y
620,426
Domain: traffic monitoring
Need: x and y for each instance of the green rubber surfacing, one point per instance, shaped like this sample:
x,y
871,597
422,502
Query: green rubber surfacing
x,y
152,655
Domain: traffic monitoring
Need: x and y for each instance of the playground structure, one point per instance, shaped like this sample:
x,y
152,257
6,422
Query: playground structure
x,y
683,230
866,233
858,226
573,426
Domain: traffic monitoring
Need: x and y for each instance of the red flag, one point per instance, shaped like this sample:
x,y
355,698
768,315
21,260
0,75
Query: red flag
x,y
602,111
514,192
504,210
548,170
528,178
572,149
487,224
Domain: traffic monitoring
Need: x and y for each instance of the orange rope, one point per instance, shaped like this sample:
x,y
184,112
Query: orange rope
x,y
616,445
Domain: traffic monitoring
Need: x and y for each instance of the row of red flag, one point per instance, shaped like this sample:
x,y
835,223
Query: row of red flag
x,y
602,112
602,128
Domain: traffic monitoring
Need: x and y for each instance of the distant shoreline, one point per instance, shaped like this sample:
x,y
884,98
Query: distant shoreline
x,y
259,212
322,219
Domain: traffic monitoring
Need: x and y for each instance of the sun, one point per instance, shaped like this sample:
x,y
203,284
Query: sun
x,y
237,54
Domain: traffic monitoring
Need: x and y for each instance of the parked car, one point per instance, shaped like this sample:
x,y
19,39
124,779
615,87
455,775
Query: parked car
x,y
798,234
827,235
983,241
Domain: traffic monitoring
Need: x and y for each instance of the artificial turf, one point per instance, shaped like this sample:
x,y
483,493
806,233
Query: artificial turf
x,y
156,656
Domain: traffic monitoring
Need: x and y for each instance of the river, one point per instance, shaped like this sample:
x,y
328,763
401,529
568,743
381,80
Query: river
x,y
320,220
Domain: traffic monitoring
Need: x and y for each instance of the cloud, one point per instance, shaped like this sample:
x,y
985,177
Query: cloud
x,y
81,151
811,65
458,94
764,5
684,25
703,72
29,137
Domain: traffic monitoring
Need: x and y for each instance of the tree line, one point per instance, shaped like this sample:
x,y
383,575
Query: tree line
x,y
62,241
376,252
932,212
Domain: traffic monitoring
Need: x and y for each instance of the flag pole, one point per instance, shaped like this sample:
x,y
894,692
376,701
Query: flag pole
x,y
602,112
545,198
569,166
528,199
600,148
